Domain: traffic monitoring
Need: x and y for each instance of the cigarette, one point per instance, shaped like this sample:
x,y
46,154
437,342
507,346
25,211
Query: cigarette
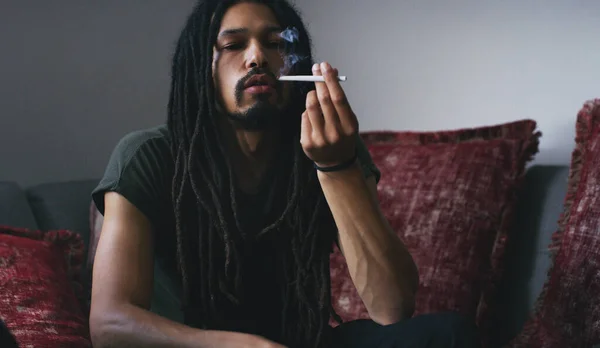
x,y
308,78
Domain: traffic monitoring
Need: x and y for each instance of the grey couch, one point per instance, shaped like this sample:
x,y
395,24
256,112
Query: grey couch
x,y
66,205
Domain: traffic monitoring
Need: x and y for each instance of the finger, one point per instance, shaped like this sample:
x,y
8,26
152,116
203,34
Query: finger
x,y
346,116
330,116
315,116
305,130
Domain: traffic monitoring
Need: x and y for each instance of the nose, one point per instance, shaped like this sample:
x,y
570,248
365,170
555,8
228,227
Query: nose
x,y
255,56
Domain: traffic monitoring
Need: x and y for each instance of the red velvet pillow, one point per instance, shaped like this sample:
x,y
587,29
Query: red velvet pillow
x,y
568,310
39,288
450,197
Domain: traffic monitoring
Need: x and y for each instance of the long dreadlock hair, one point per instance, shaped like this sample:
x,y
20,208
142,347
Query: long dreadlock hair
x,y
208,230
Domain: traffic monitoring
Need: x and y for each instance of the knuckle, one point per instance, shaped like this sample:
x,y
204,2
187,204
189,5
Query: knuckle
x,y
351,130
333,137
325,98
319,143
313,106
306,143
312,102
339,99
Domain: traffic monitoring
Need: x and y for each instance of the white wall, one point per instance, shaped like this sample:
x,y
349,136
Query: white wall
x,y
75,76
433,64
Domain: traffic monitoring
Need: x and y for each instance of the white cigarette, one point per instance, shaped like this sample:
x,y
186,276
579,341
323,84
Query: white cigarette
x,y
308,78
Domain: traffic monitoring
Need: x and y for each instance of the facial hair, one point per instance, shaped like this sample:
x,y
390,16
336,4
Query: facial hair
x,y
263,115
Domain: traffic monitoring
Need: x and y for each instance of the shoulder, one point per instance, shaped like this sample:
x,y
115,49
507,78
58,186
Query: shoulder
x,y
139,168
159,132
155,139
145,150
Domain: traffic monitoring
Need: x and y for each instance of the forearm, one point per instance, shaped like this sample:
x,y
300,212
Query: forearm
x,y
379,264
132,326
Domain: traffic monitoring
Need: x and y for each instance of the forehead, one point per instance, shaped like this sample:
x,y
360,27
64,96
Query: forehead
x,y
248,15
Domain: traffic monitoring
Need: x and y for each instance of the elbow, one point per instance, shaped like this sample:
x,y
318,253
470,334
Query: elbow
x,y
409,295
106,326
392,313
407,309
395,300
401,304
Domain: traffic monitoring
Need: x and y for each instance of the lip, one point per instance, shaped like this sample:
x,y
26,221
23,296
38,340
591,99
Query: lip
x,y
262,89
264,81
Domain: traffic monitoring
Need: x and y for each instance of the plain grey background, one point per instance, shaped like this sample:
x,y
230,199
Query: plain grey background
x,y
75,76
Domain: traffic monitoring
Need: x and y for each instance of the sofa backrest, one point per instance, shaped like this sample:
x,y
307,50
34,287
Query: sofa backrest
x,y
527,255
61,205
14,207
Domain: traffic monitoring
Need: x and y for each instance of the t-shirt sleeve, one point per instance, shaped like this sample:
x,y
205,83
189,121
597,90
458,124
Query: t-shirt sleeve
x,y
137,169
369,168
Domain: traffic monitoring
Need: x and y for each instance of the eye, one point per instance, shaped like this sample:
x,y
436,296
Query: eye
x,y
233,46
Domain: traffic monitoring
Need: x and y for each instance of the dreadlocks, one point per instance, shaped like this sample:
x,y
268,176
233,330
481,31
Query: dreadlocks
x,y
208,230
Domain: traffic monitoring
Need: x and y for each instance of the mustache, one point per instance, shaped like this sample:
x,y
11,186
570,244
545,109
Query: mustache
x,y
239,87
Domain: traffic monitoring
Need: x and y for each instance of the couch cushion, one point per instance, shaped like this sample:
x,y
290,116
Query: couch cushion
x,y
568,310
527,255
450,197
39,278
63,205
14,208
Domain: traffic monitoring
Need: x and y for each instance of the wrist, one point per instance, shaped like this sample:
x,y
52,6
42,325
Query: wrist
x,y
337,166
354,171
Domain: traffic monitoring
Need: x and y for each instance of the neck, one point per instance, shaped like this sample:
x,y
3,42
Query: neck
x,y
250,154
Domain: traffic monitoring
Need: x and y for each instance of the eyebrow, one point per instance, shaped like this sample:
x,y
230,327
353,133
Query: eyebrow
x,y
268,30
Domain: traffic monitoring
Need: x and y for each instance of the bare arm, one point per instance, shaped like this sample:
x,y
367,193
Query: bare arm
x,y
379,264
122,290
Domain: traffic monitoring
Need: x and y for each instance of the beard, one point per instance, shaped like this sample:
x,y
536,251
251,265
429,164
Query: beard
x,y
259,117
264,114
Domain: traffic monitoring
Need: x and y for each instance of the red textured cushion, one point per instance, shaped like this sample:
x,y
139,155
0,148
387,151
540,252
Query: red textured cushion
x,y
518,130
39,287
450,197
568,310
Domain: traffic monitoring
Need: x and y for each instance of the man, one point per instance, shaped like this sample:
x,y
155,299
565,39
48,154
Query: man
x,y
242,194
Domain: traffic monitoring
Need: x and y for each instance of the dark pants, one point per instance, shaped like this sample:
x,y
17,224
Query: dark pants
x,y
448,330
7,340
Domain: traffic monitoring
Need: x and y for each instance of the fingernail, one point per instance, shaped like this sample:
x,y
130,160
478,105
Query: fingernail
x,y
325,66
315,67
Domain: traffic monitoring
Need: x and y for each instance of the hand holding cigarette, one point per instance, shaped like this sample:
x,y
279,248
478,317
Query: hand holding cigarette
x,y
329,126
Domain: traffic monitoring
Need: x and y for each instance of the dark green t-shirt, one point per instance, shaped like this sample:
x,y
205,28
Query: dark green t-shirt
x,y
141,168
